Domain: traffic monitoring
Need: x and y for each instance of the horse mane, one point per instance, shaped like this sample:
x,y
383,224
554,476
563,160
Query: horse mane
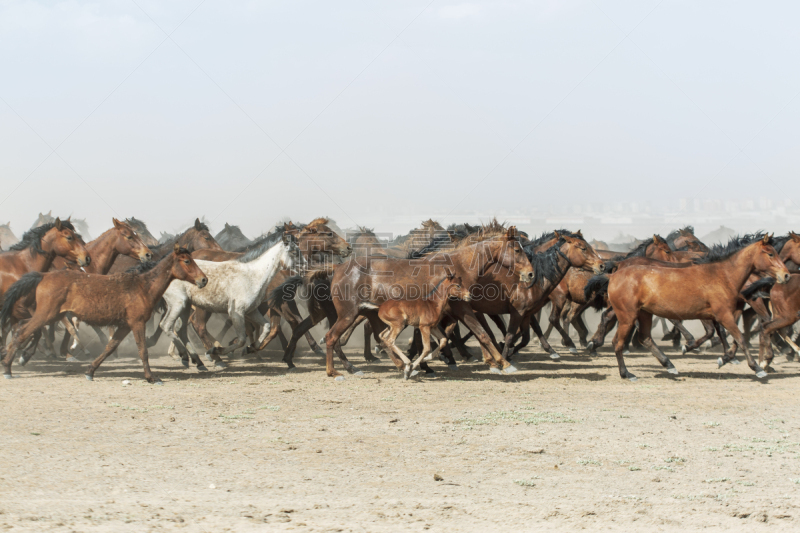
x,y
145,266
493,226
321,221
269,238
254,253
545,265
641,250
459,231
33,237
435,245
721,252
780,242
548,235
674,234
430,223
363,230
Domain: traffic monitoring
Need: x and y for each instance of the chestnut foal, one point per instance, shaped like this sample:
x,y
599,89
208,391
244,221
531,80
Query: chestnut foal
x,y
123,300
425,313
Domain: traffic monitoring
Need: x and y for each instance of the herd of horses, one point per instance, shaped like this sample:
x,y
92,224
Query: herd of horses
x,y
435,279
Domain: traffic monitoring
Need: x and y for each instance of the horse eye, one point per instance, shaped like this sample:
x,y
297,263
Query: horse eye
x,y
186,261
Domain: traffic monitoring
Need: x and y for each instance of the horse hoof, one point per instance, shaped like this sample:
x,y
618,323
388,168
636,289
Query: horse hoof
x,y
339,378
626,352
202,368
22,361
453,367
88,377
9,376
185,363
684,349
673,370
358,373
590,347
555,356
720,362
319,351
495,370
158,382
72,359
573,350
761,374
413,373
632,378
291,369
510,369
735,361
220,364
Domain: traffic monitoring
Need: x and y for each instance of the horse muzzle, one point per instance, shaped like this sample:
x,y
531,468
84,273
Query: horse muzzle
x,y
85,261
202,282
526,277
783,278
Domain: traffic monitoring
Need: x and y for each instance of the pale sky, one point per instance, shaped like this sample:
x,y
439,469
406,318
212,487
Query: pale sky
x,y
254,111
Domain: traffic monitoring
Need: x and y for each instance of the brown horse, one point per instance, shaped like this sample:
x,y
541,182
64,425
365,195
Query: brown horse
x,y
197,237
785,303
497,292
121,239
361,286
423,313
125,301
706,290
38,249
570,292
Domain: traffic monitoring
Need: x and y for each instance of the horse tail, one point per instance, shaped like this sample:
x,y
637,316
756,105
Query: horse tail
x,y
323,273
24,286
609,265
759,289
596,287
285,292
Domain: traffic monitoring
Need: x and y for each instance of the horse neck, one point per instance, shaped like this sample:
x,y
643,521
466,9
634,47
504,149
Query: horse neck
x,y
39,262
564,265
268,263
786,252
158,279
103,251
465,259
738,268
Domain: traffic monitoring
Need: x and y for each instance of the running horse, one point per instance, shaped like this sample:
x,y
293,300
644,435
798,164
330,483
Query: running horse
x,y
125,301
362,286
706,290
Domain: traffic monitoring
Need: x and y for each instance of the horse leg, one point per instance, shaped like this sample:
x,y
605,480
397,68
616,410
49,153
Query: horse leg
x,y
119,335
727,321
646,337
459,342
22,335
274,330
513,327
463,312
239,326
524,335
624,327
574,317
368,343
555,321
332,337
685,332
302,328
543,339
708,325
607,320
485,325
425,331
765,346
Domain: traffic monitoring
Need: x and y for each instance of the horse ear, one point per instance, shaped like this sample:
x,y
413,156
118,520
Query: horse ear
x,y
511,233
197,225
765,240
793,235
177,248
226,225
556,235
579,234
116,222
50,213
57,224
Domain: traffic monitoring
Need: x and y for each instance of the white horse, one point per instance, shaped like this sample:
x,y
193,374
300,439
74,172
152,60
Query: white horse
x,y
235,287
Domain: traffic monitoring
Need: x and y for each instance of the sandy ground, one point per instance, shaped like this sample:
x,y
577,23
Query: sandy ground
x,y
558,446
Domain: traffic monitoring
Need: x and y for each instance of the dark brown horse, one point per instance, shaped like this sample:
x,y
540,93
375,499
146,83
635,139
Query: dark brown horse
x,y
707,290
125,301
362,285
141,229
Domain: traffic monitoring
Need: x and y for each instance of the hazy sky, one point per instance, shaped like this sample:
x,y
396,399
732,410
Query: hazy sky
x,y
247,112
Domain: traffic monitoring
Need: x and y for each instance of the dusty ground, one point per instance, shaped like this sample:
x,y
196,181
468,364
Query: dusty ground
x,y
560,445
